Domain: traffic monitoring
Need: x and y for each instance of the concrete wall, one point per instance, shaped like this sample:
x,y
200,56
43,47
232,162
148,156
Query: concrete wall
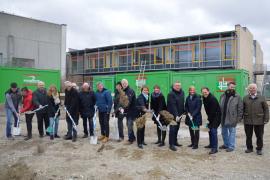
x,y
258,53
27,38
245,49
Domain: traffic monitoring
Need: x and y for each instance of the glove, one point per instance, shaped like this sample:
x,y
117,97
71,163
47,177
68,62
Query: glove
x,y
177,119
40,106
121,110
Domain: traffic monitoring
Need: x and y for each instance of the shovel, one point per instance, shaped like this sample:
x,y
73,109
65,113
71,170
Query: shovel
x,y
38,109
17,130
162,128
50,129
93,139
115,132
74,126
193,127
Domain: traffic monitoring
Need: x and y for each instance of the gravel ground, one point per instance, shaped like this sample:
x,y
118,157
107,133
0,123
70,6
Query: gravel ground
x,y
41,158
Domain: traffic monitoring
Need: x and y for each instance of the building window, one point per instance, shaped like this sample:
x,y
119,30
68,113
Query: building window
x,y
101,60
115,59
93,61
74,65
159,55
169,55
196,52
124,57
147,56
212,52
22,62
228,49
136,58
183,53
108,60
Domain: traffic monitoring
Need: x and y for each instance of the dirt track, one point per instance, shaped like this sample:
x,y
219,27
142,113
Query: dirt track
x,y
60,159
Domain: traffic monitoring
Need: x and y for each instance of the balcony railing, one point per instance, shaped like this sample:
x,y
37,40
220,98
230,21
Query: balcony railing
x,y
149,67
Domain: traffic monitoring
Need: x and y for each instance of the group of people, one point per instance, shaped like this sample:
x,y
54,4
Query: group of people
x,y
227,112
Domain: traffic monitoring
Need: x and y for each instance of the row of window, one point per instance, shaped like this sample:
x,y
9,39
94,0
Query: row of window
x,y
176,54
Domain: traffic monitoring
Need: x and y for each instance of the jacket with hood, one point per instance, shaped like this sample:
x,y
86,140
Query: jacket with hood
x,y
13,99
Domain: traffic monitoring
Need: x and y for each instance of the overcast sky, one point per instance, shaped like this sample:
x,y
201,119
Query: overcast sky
x,y
95,23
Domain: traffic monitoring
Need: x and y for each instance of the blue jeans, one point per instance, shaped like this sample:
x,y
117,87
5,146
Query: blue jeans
x,y
56,123
228,135
213,138
131,136
10,116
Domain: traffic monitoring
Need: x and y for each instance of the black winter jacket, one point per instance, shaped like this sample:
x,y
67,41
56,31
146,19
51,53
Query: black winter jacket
x,y
131,109
40,98
212,110
141,105
72,102
87,103
158,104
52,107
176,102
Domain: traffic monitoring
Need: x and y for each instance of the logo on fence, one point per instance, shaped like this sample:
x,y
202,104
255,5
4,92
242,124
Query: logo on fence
x,y
222,82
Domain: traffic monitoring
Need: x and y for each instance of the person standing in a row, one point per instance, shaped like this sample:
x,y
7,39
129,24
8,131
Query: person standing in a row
x,y
256,115
40,99
176,106
104,104
130,110
193,107
87,109
231,113
27,106
158,104
13,99
213,112
53,106
72,106
142,104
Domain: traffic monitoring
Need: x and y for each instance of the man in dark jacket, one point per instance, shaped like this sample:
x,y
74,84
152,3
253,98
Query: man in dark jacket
x,y
104,104
72,106
129,110
87,109
176,106
256,115
13,99
119,110
213,112
158,104
39,100
193,107
231,113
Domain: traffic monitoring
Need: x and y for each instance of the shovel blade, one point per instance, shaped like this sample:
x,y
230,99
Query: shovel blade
x,y
16,131
93,140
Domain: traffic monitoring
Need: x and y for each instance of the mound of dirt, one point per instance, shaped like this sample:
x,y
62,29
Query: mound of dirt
x,y
18,171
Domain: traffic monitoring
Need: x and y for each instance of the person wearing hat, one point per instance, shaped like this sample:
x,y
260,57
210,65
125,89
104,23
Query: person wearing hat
x,y
13,99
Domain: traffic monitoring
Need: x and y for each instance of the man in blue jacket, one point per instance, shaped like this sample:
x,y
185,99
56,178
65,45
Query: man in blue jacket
x,y
104,104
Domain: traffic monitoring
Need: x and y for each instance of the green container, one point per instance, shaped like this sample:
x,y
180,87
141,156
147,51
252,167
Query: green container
x,y
108,82
215,80
26,77
136,80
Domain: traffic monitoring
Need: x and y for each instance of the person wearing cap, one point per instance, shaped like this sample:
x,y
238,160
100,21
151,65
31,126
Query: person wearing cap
x,y
13,99
40,99
87,103
27,106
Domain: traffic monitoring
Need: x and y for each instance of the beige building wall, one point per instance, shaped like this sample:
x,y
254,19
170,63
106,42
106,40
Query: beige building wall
x,y
259,53
244,49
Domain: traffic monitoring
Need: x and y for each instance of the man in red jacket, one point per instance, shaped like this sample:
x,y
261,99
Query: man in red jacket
x,y
27,106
